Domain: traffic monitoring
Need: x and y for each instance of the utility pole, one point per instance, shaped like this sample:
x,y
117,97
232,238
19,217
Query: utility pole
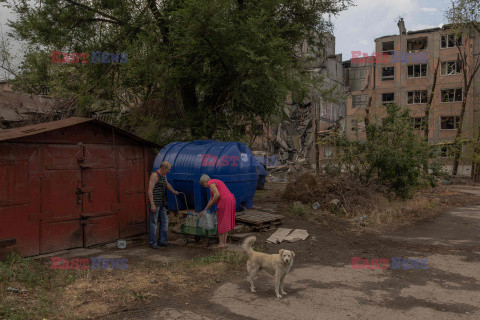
x,y
315,135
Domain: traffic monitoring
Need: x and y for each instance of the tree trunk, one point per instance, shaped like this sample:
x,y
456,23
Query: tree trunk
x,y
429,104
426,123
458,144
467,82
315,138
366,120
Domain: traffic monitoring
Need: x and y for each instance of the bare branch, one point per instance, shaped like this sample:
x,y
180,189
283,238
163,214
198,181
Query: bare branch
x,y
96,11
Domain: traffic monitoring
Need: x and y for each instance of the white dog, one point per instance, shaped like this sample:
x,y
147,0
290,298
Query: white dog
x,y
280,263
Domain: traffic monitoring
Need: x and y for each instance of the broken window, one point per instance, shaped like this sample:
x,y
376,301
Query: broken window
x,y
450,68
388,73
449,123
446,151
354,125
359,100
357,125
451,41
388,47
388,97
418,44
418,123
452,95
417,71
417,97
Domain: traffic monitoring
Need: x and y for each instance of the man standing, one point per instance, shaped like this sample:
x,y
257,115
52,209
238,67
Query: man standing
x,y
157,194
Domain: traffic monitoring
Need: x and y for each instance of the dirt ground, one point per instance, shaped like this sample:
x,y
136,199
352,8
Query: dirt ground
x,y
194,282
322,284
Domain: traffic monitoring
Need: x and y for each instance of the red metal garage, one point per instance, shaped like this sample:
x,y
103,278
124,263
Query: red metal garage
x,y
71,183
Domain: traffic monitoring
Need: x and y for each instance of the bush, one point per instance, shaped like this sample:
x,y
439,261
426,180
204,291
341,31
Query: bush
x,y
299,209
393,153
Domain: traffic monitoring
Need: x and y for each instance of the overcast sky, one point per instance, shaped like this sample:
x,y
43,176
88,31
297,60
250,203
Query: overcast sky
x,y
356,28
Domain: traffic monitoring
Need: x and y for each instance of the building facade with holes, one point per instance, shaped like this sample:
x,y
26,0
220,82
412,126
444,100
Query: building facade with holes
x,y
403,72
71,183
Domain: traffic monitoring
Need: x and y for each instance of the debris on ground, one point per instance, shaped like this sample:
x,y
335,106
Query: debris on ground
x,y
287,172
259,220
279,235
335,202
341,195
297,235
366,205
357,219
11,289
283,234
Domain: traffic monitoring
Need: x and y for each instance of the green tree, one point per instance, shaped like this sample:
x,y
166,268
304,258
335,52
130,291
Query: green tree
x,y
214,62
394,154
464,15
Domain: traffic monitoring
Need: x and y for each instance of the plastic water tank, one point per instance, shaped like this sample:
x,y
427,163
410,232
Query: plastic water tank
x,y
262,172
230,162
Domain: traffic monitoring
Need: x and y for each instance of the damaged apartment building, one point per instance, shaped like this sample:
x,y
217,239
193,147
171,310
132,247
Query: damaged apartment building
x,y
403,73
294,138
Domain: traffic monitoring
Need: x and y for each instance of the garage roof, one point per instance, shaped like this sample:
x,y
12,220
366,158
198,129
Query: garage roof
x,y
26,131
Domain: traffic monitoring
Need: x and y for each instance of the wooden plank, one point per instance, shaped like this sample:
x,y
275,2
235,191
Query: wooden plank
x,y
260,221
255,217
266,226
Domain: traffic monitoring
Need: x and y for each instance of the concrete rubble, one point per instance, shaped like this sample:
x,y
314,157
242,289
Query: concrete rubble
x,y
279,235
283,234
322,109
297,235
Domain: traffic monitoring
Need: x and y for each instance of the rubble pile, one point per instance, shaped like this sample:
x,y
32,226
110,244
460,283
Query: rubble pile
x,y
287,172
294,137
292,141
340,194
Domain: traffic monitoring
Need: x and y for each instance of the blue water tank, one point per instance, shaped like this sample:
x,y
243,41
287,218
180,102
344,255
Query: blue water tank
x,y
262,172
230,162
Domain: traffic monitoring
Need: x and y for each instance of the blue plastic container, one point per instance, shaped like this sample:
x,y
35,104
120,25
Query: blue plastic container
x,y
230,162
262,172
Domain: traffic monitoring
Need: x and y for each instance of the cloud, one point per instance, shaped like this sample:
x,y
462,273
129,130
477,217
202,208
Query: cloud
x,y
425,26
371,19
429,9
422,26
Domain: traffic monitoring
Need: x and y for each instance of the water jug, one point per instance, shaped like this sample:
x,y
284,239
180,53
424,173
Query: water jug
x,y
209,222
121,244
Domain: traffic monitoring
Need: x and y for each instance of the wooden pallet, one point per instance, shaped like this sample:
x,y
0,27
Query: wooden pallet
x,y
259,220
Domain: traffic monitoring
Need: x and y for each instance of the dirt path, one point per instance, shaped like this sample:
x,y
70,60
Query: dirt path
x,y
323,285
448,289
458,227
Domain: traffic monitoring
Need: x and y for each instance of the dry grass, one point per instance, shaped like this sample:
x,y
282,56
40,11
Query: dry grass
x,y
345,197
342,195
101,292
92,293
